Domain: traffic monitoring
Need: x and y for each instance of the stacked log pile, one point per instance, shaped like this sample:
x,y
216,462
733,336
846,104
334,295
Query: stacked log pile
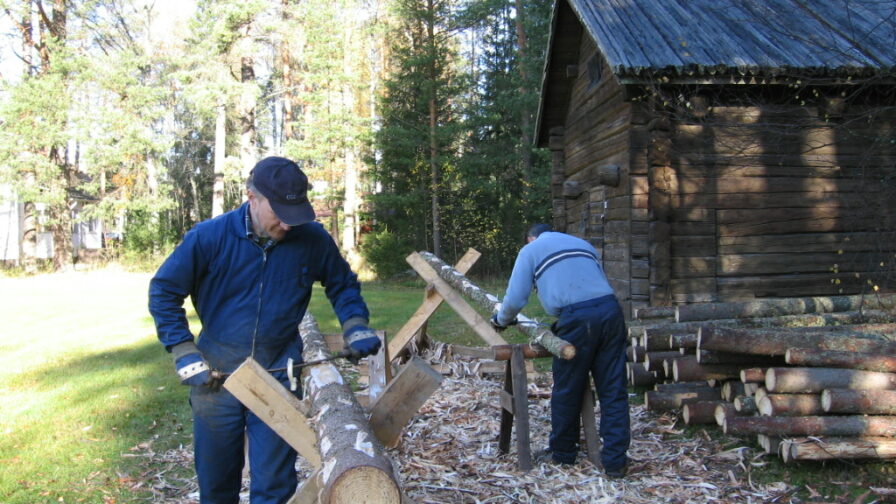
x,y
811,378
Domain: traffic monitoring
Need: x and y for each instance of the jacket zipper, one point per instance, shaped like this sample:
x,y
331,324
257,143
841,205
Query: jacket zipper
x,y
264,262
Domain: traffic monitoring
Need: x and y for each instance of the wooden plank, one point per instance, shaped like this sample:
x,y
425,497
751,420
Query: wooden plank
x,y
521,408
805,242
401,400
429,306
309,490
481,326
263,395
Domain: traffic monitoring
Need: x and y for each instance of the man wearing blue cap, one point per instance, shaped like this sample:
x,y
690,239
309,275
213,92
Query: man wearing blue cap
x,y
249,274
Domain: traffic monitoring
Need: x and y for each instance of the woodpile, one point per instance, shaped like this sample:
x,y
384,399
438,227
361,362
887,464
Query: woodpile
x,y
811,378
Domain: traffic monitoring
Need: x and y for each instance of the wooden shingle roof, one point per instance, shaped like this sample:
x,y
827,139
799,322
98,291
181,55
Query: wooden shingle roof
x,y
768,37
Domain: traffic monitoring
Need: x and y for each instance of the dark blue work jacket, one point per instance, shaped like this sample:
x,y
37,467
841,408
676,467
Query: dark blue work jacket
x,y
242,291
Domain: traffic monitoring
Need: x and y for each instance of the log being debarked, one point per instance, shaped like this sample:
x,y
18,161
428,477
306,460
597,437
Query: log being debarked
x,y
354,465
805,380
538,334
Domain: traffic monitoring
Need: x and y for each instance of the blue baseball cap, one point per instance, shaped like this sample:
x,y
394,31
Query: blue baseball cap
x,y
285,186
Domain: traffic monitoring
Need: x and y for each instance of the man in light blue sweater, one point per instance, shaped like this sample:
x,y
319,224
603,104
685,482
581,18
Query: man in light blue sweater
x,y
571,285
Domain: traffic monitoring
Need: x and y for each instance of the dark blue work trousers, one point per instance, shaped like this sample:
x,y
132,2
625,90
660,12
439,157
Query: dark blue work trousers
x,y
220,422
597,329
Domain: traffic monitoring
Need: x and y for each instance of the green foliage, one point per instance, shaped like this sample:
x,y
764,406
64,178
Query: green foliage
x,y
385,252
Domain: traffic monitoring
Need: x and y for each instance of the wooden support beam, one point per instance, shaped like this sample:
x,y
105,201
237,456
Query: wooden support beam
x,y
276,406
481,326
401,400
433,300
537,333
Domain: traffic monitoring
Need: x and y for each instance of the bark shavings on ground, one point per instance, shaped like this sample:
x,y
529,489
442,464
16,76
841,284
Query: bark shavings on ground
x,y
449,453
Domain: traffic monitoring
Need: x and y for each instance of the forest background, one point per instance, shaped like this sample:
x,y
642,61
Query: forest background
x,y
412,118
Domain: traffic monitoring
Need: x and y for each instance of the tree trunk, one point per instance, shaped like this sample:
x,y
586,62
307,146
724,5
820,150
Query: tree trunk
x,y
865,402
355,467
435,179
732,389
664,401
812,426
776,342
220,156
653,361
841,359
742,359
538,335
838,448
786,306
700,412
248,99
821,322
638,376
745,405
814,380
752,375
790,405
350,209
525,141
688,369
683,340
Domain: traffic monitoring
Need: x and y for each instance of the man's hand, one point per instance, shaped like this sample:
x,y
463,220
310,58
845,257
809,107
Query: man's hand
x,y
361,341
190,365
499,326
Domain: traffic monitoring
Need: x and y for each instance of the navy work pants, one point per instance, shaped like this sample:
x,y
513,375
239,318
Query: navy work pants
x,y
220,422
597,329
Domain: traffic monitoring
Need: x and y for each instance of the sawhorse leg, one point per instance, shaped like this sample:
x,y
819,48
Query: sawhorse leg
x,y
515,408
589,425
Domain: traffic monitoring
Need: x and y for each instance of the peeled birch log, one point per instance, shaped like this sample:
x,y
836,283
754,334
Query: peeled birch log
x,y
838,448
783,306
664,401
840,359
700,412
858,425
687,368
866,402
778,341
805,380
790,405
538,334
354,467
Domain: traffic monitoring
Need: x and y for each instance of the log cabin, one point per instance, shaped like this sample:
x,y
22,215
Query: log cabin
x,y
721,150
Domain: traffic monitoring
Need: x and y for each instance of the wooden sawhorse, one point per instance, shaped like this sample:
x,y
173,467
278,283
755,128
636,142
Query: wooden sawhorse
x,y
515,407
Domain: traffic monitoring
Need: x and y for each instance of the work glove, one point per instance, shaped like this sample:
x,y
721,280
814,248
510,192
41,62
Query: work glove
x,y
361,342
191,367
499,326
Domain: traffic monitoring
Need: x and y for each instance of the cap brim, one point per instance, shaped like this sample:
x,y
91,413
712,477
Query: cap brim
x,y
293,215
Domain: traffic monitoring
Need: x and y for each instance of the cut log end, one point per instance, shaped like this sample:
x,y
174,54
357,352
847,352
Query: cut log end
x,y
364,484
567,352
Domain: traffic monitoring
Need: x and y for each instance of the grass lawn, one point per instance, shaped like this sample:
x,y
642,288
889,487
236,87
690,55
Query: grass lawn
x,y
87,391
86,384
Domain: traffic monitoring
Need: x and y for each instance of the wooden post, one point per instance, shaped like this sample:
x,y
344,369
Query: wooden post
x,y
263,395
401,400
433,300
515,409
